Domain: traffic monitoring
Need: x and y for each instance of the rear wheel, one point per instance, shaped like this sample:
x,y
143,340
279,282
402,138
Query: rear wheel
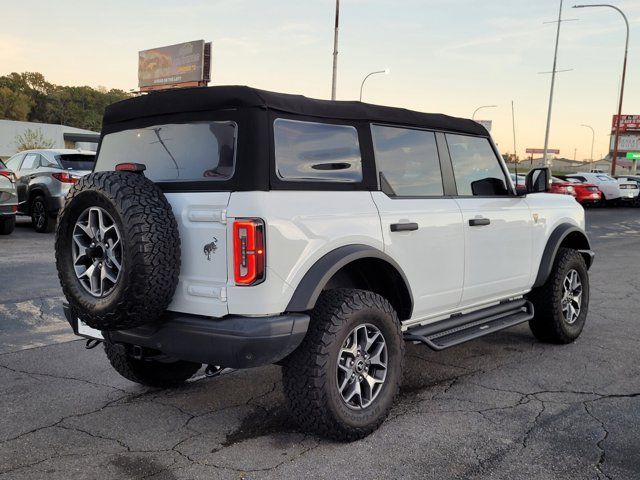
x,y
40,219
562,303
342,381
153,373
7,224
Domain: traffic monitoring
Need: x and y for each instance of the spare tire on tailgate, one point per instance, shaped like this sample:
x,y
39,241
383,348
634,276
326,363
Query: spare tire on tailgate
x,y
117,250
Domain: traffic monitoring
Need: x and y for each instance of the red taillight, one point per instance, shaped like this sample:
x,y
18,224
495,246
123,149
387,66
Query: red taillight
x,y
131,167
9,175
248,251
64,177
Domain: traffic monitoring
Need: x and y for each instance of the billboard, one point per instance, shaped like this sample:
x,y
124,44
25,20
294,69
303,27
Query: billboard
x,y
184,64
628,123
627,143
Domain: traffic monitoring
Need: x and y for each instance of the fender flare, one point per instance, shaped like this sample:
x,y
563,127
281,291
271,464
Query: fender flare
x,y
556,238
308,290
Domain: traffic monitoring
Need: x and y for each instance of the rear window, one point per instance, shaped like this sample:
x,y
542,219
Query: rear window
x,y
175,152
76,161
320,152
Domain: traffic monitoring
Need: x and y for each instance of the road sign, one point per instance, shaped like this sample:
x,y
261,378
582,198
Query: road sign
x,y
552,151
633,155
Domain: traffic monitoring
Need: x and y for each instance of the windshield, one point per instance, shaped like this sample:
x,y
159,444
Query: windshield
x,y
605,178
174,152
76,161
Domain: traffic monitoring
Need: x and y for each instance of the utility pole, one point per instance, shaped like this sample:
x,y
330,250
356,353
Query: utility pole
x,y
553,81
513,122
335,52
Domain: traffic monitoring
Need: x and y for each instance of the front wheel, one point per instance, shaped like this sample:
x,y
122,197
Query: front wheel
x,y
562,303
342,380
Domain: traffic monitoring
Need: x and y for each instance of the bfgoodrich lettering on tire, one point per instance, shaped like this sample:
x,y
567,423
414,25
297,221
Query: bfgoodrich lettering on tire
x,y
562,303
117,250
342,380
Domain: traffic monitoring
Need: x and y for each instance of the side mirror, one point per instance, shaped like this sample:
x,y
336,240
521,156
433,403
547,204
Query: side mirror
x,y
538,180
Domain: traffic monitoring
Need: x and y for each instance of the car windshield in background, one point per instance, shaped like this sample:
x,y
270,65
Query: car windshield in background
x,y
175,152
605,178
76,161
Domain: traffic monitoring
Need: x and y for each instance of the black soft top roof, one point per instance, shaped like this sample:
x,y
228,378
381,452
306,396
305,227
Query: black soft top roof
x,y
201,99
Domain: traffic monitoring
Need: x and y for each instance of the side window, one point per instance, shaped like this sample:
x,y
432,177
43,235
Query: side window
x,y
30,161
476,167
317,152
13,163
408,161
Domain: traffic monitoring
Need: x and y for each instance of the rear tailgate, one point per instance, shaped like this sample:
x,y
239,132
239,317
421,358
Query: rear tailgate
x,y
203,235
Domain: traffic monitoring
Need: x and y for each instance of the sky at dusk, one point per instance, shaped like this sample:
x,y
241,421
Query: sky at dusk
x,y
444,56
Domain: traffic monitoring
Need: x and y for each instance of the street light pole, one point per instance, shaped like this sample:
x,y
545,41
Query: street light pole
x,y
614,160
335,52
473,117
593,138
385,71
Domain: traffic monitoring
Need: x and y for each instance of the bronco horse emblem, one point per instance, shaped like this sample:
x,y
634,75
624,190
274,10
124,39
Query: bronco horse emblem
x,y
211,248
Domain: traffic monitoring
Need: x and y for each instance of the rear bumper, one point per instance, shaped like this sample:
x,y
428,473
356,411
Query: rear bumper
x,y
235,342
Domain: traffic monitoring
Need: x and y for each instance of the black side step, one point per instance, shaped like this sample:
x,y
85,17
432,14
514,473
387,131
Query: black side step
x,y
462,328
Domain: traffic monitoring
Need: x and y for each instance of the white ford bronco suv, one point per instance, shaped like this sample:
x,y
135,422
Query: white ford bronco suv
x,y
235,227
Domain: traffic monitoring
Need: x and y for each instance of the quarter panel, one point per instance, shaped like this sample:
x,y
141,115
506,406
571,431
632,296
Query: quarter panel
x,y
301,227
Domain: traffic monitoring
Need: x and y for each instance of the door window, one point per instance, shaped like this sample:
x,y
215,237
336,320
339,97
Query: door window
x,y
318,152
476,167
30,161
408,161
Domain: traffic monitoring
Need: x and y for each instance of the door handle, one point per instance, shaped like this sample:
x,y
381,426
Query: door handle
x,y
404,227
478,222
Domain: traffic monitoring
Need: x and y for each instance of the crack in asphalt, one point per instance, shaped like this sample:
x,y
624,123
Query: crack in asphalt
x,y
35,376
600,443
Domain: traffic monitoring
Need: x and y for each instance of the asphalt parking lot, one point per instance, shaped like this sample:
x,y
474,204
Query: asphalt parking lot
x,y
503,407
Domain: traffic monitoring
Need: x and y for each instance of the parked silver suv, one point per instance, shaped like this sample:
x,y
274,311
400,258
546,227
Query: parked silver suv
x,y
43,178
8,200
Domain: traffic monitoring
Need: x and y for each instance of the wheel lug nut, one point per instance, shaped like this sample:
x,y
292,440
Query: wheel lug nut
x,y
360,378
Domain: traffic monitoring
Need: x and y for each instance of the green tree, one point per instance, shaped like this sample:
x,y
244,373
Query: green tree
x,y
80,107
14,105
32,139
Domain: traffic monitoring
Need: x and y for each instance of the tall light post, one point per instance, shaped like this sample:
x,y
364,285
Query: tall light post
x,y
593,138
473,117
385,71
614,160
335,52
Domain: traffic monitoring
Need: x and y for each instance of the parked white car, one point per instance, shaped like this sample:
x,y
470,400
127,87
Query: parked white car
x,y
606,184
629,189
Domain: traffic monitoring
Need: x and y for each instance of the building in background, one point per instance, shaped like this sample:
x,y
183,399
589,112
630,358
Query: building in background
x,y
57,136
629,139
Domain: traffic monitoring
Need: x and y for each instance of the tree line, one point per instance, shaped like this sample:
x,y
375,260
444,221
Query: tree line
x,y
29,97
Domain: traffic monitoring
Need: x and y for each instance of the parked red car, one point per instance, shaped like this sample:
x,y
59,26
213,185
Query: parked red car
x,y
584,193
